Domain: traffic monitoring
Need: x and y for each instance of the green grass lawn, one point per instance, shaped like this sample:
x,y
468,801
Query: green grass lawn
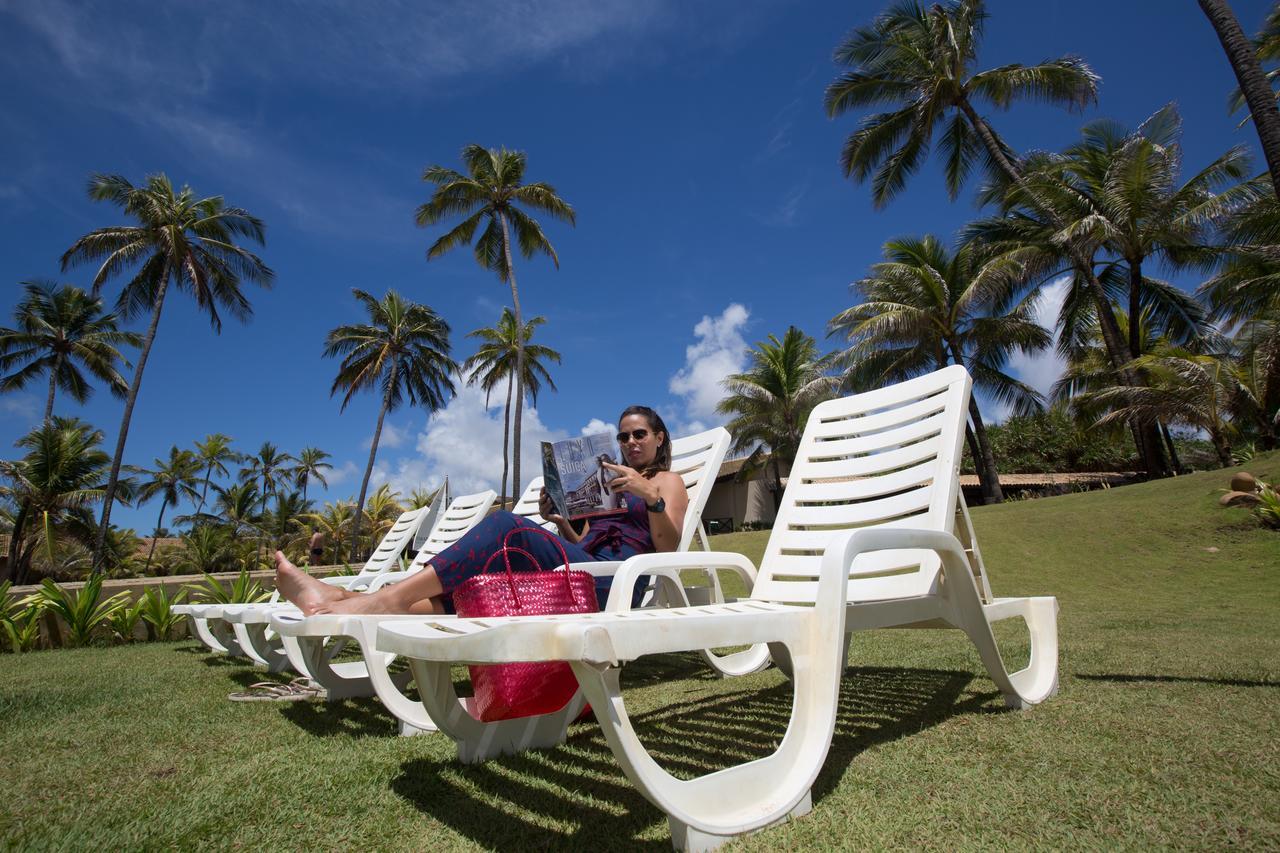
x,y
1166,731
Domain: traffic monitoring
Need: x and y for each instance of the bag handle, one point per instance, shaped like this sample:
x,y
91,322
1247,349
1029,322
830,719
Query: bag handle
x,y
507,550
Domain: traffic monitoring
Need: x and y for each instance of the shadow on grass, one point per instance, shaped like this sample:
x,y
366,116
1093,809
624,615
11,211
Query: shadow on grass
x,y
1174,679
346,718
575,795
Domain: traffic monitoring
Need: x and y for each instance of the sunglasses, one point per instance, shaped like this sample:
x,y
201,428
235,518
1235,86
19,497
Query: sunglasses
x,y
638,435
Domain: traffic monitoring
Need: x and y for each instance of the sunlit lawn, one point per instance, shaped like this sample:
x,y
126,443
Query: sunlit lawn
x,y
1166,731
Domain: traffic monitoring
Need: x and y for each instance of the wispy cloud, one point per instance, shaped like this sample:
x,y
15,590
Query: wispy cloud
x,y
787,211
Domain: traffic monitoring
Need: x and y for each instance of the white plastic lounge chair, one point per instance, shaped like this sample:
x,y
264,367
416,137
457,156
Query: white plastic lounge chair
x,y
696,458
865,538
251,623
206,620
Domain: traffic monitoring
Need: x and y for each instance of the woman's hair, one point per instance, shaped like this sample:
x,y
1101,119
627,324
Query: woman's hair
x,y
661,460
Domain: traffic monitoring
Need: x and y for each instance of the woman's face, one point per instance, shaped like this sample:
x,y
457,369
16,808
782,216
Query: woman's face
x,y
638,451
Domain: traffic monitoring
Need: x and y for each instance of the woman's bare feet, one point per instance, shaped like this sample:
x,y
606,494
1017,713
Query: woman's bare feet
x,y
301,589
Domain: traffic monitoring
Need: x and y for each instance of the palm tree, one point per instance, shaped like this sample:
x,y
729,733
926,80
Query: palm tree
x,y
1244,292
1203,391
382,510
174,479
60,477
311,466
404,351
178,240
918,61
770,401
1243,56
1258,345
1116,193
270,466
925,307
214,454
496,360
422,497
492,193
286,517
237,505
58,331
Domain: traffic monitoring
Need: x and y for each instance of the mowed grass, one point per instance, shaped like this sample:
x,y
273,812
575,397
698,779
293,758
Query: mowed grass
x,y
1166,731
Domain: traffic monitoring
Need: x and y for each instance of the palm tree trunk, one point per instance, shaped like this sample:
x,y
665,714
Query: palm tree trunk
x,y
987,470
1135,308
777,483
975,452
368,469
12,567
208,475
506,438
154,535
515,302
1243,57
1222,447
130,400
1174,462
53,385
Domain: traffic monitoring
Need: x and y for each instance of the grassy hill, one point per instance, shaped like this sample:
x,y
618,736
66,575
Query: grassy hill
x,y
1166,731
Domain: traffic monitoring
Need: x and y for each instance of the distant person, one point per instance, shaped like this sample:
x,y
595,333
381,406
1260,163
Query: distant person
x,y
655,500
315,548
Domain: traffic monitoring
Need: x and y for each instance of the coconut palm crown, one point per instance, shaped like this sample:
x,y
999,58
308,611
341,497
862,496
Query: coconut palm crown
x,y
176,239
492,193
403,351
61,332
918,61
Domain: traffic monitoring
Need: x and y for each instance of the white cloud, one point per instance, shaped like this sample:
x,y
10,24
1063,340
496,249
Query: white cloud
x,y
595,425
19,406
343,473
391,438
464,440
719,350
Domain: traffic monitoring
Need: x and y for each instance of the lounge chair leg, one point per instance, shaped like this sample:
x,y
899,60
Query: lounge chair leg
x,y
690,840
262,650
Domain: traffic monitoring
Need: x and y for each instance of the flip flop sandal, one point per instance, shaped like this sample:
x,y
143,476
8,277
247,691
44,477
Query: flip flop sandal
x,y
298,690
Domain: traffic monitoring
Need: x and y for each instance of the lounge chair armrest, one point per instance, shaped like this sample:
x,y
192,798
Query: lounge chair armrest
x,y
670,565
387,578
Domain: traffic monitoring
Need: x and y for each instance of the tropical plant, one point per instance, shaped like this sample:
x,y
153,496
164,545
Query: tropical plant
x,y
492,192
1268,509
157,611
208,549
177,240
421,497
311,466
81,612
925,307
214,455
1202,391
769,403
174,479
237,505
270,466
52,486
382,510
1243,56
124,621
243,590
61,331
496,361
404,351
283,524
22,629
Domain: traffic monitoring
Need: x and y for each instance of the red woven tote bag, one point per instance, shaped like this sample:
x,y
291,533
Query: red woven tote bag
x,y
504,691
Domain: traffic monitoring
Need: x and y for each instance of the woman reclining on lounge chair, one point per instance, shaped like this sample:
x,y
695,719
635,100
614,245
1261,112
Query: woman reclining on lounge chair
x,y
656,501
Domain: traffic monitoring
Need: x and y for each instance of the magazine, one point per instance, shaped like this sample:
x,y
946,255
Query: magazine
x,y
576,480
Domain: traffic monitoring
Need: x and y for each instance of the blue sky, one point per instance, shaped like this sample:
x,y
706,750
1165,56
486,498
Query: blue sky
x,y
689,137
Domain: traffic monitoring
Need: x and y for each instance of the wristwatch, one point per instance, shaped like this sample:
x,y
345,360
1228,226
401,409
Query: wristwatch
x,y
659,506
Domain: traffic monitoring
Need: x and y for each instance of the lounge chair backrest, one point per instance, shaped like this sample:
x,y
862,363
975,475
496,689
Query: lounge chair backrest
x,y
888,457
401,534
696,458
464,512
527,506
